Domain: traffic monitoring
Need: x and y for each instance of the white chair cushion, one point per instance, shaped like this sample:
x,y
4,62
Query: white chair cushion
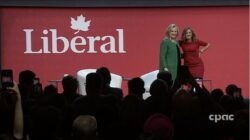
x,y
116,80
148,79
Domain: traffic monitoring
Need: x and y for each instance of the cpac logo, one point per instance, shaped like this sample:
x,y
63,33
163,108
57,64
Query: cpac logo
x,y
219,117
77,44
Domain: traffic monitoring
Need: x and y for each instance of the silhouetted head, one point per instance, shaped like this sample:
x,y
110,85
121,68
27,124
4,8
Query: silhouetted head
x,y
216,94
165,76
181,97
234,91
70,84
136,86
84,127
26,77
93,84
105,73
50,90
159,125
158,88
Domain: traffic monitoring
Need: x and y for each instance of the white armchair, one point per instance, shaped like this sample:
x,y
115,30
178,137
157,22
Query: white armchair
x,y
148,79
116,80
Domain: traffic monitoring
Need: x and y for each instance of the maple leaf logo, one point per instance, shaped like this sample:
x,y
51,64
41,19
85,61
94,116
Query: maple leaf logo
x,y
80,24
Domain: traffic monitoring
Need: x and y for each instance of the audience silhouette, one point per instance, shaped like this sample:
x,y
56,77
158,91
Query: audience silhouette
x,y
136,87
170,113
106,88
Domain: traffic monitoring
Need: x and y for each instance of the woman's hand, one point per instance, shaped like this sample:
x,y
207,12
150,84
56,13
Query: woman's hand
x,y
165,69
203,49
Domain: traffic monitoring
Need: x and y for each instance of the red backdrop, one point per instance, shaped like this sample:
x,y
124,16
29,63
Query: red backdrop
x,y
226,28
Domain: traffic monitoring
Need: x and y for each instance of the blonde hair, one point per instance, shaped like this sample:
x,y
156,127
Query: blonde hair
x,y
169,28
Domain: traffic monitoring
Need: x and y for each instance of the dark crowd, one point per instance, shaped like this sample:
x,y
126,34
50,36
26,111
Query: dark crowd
x,y
187,110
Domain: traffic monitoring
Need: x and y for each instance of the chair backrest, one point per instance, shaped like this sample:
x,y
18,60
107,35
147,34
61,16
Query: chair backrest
x,y
148,79
116,80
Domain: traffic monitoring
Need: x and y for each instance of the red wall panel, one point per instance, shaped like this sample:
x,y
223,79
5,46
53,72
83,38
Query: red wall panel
x,y
141,30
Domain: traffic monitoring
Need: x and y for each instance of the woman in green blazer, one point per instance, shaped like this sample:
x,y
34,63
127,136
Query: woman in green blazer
x,y
170,52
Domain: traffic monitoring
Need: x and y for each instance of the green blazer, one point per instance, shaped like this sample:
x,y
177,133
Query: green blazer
x,y
169,57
